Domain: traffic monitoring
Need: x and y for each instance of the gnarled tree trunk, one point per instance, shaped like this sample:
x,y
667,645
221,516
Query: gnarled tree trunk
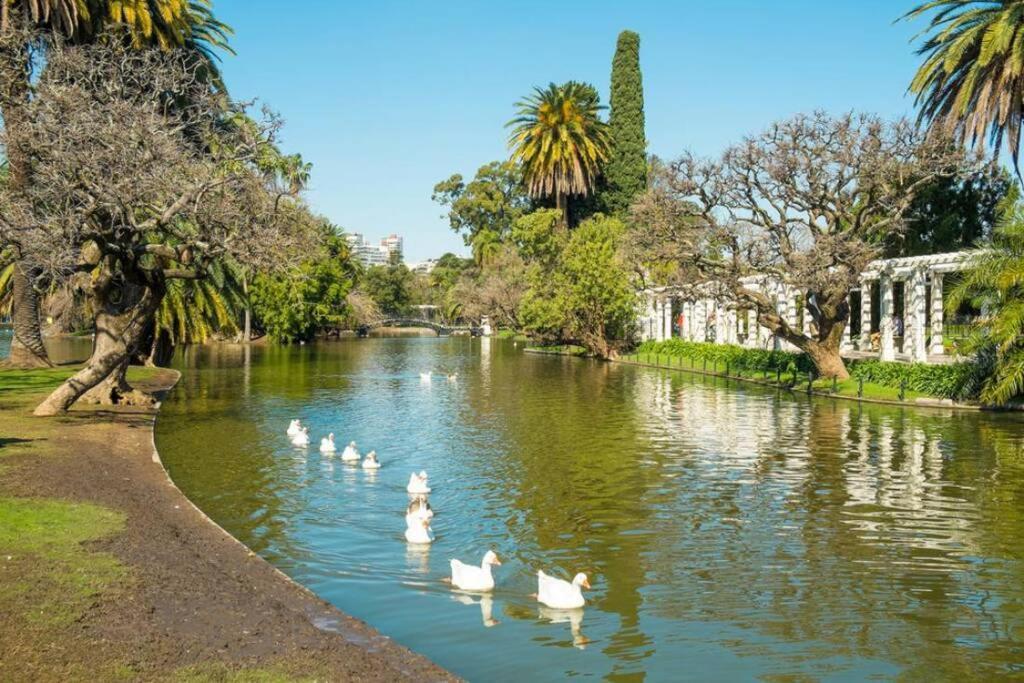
x,y
120,326
27,349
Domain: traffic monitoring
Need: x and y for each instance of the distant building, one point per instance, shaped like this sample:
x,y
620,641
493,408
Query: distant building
x,y
388,251
423,267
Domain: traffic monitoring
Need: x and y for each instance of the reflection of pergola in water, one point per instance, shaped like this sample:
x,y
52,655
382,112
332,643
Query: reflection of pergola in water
x,y
896,313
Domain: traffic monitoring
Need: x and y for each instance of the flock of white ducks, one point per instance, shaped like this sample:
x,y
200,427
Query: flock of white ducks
x,y
551,591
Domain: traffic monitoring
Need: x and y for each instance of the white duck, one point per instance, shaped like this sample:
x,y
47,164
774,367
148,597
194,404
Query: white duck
x,y
418,483
351,453
561,594
370,462
419,508
425,376
294,427
327,444
301,438
453,377
418,531
470,578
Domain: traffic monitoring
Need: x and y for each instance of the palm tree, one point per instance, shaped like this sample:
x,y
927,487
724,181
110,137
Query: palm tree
x,y
971,83
560,141
995,284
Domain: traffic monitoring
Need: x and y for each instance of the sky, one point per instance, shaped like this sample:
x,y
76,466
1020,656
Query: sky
x,y
387,98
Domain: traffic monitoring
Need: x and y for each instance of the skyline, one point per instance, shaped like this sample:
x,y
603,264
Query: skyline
x,y
373,83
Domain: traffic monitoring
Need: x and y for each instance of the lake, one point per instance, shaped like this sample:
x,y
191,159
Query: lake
x,y
729,531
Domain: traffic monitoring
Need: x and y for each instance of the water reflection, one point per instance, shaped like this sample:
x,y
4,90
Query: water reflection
x,y
727,530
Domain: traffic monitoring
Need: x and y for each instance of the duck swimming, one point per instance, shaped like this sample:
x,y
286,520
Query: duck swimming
x,y
418,483
418,531
294,427
327,444
470,578
425,376
301,438
370,462
419,508
351,453
559,593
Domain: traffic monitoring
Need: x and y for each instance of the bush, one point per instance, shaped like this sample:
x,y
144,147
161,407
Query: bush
x,y
738,358
959,381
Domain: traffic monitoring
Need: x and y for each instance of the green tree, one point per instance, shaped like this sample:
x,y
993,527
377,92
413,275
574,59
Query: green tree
x,y
484,209
972,78
561,142
625,176
995,284
950,214
390,287
299,304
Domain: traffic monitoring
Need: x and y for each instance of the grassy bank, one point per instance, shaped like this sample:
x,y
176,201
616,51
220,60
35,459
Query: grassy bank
x,y
107,572
869,380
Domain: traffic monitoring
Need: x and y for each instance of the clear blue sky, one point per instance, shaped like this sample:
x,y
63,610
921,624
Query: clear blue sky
x,y
386,98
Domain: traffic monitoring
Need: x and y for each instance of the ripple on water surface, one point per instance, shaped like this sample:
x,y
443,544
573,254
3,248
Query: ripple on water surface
x,y
729,531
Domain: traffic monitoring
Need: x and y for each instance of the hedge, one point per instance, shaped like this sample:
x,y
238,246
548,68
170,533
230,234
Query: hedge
x,y
957,381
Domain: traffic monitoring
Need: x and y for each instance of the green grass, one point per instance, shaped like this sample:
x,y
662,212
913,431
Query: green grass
x,y
51,578
559,349
219,673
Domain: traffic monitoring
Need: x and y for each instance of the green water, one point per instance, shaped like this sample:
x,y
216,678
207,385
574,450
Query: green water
x,y
730,532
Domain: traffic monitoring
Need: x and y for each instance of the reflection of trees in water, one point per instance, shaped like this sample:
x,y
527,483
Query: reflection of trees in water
x,y
846,529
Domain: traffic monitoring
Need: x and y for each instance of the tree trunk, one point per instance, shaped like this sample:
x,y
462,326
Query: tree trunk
x,y
827,360
119,329
115,390
563,207
27,349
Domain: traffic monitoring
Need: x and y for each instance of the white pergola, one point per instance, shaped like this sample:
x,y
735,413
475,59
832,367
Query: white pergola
x,y
699,315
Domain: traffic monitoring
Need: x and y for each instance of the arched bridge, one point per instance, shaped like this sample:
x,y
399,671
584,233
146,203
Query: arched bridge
x,y
441,329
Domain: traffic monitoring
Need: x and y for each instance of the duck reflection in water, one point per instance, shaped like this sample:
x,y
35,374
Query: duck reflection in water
x,y
573,617
486,603
417,557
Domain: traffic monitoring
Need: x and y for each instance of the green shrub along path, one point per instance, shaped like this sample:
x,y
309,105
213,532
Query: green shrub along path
x,y
869,379
108,573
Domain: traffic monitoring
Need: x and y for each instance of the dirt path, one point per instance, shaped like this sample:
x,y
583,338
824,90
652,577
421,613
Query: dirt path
x,y
191,602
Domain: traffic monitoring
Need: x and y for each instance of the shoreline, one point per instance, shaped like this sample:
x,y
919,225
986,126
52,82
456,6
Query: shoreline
x,y
190,600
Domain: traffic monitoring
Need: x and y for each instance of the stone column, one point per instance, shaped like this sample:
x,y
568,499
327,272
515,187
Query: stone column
x,y
865,315
753,331
918,316
659,320
885,317
668,318
937,347
702,326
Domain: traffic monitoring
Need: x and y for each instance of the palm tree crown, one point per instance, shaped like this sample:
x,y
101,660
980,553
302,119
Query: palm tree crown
x,y
559,140
972,80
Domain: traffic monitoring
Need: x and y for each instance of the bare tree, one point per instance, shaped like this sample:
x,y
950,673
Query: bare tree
x,y
140,173
804,203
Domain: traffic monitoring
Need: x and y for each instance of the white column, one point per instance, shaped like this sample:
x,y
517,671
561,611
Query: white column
x,y
702,325
885,317
918,316
937,347
865,315
659,320
668,318
753,336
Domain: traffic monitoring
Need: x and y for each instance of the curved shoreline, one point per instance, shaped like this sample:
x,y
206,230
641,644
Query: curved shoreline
x,y
322,615
190,601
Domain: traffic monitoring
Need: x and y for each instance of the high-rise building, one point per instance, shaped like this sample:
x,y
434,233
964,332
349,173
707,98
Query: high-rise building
x,y
366,253
392,244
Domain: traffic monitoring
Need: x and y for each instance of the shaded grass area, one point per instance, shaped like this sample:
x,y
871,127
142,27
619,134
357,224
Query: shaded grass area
x,y
559,350
791,379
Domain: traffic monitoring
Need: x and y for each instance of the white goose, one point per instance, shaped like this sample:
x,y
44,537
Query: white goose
x,y
419,508
301,438
294,427
370,462
453,377
425,376
559,593
470,578
418,483
351,453
327,444
418,531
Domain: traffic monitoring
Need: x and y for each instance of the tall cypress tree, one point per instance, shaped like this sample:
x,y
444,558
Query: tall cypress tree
x,y
626,171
